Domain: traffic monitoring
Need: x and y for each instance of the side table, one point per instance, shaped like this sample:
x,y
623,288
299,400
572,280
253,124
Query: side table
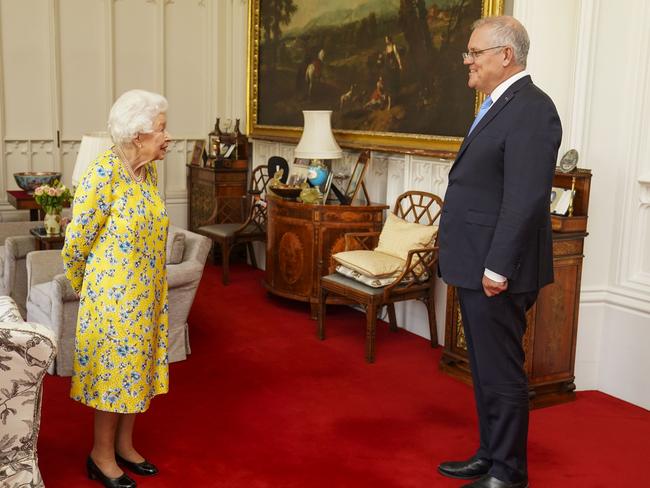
x,y
46,242
21,200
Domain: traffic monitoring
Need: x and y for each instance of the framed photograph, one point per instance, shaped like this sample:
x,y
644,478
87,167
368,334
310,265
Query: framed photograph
x,y
561,200
198,153
392,75
325,187
356,178
226,150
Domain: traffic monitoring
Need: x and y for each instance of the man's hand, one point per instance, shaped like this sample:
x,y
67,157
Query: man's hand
x,y
493,288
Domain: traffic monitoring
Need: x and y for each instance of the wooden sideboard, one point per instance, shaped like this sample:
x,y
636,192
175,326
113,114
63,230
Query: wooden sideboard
x,y
550,339
301,239
206,187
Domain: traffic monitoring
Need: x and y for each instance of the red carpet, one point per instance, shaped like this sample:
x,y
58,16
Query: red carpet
x,y
262,403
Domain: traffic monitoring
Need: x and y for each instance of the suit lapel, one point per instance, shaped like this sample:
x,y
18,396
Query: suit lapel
x,y
503,100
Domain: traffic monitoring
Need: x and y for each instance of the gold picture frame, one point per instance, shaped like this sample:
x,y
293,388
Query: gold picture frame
x,y
355,183
417,119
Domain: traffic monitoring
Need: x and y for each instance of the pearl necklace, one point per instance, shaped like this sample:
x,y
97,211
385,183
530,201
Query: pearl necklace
x,y
127,165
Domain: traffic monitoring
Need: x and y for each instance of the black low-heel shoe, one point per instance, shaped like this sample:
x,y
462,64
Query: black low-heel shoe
x,y
94,473
143,469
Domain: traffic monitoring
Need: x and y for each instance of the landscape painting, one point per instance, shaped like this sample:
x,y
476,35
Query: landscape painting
x,y
391,71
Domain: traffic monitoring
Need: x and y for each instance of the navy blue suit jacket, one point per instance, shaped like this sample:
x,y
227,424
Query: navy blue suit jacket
x,y
496,209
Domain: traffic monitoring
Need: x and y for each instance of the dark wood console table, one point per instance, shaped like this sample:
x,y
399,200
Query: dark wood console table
x,y
21,200
207,185
301,239
550,339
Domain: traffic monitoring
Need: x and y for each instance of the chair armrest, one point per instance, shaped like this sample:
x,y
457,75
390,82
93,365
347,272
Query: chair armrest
x,y
43,266
183,273
418,269
64,289
361,240
19,246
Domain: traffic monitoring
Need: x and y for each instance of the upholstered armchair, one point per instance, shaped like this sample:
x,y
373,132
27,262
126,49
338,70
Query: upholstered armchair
x,y
15,243
26,351
52,301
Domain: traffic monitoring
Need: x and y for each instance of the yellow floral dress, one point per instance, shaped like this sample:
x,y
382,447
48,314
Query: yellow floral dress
x,y
114,257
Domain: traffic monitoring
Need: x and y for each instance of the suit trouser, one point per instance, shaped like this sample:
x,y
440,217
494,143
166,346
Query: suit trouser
x,y
494,329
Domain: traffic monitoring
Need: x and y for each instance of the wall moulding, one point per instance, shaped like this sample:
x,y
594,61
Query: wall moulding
x,y
644,194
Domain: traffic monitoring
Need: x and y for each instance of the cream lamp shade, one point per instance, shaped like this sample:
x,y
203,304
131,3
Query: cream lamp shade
x,y
92,145
317,140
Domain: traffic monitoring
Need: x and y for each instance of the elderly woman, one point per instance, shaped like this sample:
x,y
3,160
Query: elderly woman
x,y
114,257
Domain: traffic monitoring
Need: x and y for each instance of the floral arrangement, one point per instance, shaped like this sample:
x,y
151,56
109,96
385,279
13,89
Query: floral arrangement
x,y
52,198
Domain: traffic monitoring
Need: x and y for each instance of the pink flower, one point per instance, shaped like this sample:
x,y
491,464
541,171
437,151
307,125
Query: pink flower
x,y
38,191
51,192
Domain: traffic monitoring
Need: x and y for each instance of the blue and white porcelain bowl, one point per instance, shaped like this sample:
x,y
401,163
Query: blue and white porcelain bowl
x,y
30,180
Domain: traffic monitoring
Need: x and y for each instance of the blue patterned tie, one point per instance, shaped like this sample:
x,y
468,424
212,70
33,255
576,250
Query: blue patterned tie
x,y
481,112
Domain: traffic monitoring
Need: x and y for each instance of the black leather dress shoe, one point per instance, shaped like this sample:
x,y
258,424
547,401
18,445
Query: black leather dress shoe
x,y
488,481
143,469
94,473
465,470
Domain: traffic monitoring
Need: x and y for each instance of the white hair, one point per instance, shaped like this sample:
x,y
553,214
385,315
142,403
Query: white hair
x,y
133,113
507,31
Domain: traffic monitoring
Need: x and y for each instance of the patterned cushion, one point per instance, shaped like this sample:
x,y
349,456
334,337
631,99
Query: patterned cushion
x,y
175,247
366,280
398,236
26,351
373,264
9,310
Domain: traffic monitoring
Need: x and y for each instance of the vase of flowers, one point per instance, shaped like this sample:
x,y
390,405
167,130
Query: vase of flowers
x,y
51,199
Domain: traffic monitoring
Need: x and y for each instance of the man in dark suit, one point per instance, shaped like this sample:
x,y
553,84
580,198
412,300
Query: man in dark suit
x,y
495,242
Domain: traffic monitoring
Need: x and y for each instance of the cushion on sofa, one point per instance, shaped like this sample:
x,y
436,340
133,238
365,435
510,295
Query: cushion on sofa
x,y
175,247
41,295
398,236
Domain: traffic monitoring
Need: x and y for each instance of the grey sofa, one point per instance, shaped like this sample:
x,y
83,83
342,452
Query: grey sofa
x,y
51,300
15,243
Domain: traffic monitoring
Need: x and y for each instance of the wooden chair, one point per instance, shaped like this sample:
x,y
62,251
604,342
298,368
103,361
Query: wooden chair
x,y
416,281
227,233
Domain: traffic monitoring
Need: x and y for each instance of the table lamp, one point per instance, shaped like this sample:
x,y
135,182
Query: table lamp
x,y
317,144
92,145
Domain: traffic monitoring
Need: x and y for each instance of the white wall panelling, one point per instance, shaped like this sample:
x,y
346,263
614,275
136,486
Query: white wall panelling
x,y
81,54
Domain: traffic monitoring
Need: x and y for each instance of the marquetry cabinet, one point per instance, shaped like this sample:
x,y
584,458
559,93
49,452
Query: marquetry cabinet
x,y
550,339
301,239
208,187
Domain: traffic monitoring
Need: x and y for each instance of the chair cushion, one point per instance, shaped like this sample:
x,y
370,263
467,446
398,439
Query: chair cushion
x,y
361,278
41,296
398,236
227,230
219,230
373,264
175,247
345,281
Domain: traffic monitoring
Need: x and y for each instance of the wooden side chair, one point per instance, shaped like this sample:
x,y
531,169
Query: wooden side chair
x,y
415,281
228,233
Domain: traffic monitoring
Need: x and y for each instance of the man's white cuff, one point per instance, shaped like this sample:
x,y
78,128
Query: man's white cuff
x,y
495,276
